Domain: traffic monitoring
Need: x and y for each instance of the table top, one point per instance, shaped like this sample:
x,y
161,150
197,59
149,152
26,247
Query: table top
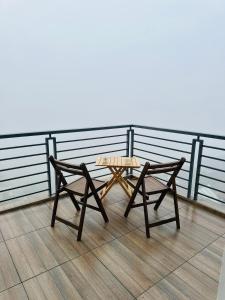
x,y
118,161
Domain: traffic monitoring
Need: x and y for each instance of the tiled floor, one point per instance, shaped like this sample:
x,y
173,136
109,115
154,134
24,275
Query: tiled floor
x,y
114,260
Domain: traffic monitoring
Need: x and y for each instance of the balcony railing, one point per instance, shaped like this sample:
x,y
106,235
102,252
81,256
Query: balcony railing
x,y
26,173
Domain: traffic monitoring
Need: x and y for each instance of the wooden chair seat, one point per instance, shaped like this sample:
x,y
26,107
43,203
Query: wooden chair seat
x,y
78,186
152,185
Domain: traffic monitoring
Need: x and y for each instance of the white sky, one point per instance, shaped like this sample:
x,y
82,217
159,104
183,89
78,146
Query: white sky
x,y
70,64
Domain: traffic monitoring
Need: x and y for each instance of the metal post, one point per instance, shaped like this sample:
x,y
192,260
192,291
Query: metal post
x,y
131,147
48,165
198,171
132,142
128,148
47,140
190,179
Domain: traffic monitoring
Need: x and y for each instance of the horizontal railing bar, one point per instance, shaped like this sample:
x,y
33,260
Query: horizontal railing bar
x,y
183,187
162,179
211,188
158,146
23,156
93,170
22,146
163,155
89,147
215,158
92,138
87,155
90,163
211,198
163,139
180,177
88,171
198,134
25,195
214,148
22,186
25,166
191,133
147,159
103,175
50,132
213,168
158,162
213,178
19,177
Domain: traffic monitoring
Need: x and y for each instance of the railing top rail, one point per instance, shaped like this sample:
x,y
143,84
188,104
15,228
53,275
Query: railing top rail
x,y
193,133
50,132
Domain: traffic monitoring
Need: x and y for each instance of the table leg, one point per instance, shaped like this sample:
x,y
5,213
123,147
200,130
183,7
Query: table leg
x,y
113,180
119,178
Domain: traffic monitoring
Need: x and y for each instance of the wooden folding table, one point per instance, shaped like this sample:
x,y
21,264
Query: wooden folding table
x,y
117,165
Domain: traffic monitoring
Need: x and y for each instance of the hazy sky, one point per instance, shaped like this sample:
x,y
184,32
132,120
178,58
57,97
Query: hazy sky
x,y
70,64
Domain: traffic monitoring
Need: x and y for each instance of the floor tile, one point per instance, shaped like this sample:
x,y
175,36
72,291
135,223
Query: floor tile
x,y
209,260
83,278
44,249
126,266
204,218
15,293
184,284
8,274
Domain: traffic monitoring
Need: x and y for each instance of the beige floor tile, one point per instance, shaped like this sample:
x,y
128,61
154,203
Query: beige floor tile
x,y
204,218
8,274
15,293
175,240
209,260
42,250
159,257
83,278
186,283
129,268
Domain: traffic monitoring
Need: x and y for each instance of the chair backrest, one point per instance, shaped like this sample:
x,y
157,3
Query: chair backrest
x,y
173,168
61,166
80,170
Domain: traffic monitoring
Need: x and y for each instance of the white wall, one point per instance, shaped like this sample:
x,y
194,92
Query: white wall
x,y
71,64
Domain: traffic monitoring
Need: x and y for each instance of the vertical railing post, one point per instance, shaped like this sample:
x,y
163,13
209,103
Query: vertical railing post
x,y
132,142
128,143
48,165
48,153
54,147
131,147
190,179
198,170
128,148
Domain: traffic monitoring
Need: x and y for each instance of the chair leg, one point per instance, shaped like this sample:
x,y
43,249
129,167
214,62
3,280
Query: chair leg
x,y
74,201
160,200
147,230
101,207
176,210
55,209
130,203
83,210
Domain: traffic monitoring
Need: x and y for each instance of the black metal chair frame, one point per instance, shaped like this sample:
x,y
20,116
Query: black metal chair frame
x,y
172,168
89,190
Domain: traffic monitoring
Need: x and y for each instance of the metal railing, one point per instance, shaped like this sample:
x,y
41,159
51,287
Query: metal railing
x,y
25,171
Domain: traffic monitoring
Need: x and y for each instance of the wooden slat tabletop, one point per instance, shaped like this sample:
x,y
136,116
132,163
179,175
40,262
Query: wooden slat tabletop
x,y
118,161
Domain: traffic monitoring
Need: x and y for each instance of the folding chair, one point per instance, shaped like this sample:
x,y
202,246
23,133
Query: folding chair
x,y
84,187
148,185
